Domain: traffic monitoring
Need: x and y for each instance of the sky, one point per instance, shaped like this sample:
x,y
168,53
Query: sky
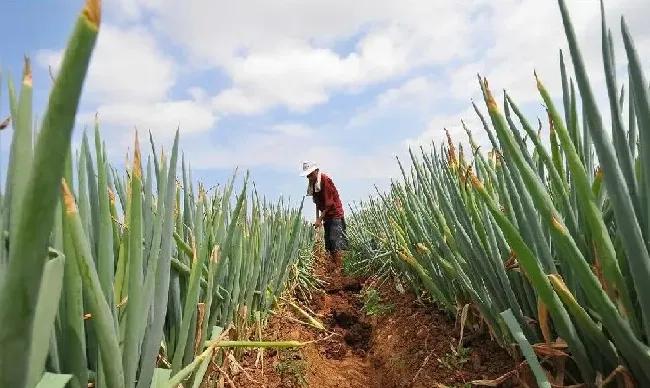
x,y
264,85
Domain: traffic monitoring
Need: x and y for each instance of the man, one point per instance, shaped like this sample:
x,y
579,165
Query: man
x,y
329,211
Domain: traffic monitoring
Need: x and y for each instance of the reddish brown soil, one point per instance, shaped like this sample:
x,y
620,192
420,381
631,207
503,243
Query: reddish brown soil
x,y
411,346
414,347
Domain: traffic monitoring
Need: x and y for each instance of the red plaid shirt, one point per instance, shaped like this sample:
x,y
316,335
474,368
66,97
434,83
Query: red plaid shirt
x,y
327,199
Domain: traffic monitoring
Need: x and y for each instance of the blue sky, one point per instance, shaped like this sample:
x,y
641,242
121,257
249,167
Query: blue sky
x,y
265,85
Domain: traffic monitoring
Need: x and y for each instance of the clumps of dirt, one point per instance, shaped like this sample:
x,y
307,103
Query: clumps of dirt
x,y
345,318
344,284
353,286
357,332
396,342
359,335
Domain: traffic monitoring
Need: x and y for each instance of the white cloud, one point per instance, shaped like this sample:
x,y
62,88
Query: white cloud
x,y
127,10
129,83
218,30
127,65
300,76
282,147
414,96
298,54
527,35
292,129
435,130
524,36
280,53
404,94
163,118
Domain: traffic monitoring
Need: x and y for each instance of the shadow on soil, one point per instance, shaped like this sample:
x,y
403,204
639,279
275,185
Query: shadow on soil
x,y
373,339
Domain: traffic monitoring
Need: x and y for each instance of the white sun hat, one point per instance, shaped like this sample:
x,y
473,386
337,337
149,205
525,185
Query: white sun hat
x,y
308,167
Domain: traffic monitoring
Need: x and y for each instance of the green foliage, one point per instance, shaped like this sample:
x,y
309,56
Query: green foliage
x,y
455,358
293,367
535,232
373,303
100,270
353,264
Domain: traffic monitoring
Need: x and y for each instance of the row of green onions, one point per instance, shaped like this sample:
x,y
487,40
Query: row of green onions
x,y
550,248
129,279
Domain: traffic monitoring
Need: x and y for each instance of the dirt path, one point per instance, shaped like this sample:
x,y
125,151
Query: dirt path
x,y
409,345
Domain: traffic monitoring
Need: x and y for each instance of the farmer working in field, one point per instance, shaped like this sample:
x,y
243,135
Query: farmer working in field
x,y
329,211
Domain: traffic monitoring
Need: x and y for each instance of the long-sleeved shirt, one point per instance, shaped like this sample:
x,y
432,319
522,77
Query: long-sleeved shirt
x,y
327,199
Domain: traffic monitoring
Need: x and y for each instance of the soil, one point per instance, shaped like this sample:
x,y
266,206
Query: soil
x,y
409,345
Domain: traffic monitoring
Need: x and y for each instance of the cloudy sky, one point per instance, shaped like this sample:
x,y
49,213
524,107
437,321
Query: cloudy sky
x,y
266,84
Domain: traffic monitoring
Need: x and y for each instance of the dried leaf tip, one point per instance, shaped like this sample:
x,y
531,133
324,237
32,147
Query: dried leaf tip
x,y
202,192
215,254
193,246
557,224
406,257
93,12
111,195
551,123
137,158
599,172
558,283
468,172
27,73
452,150
68,198
422,248
122,302
491,102
475,181
96,118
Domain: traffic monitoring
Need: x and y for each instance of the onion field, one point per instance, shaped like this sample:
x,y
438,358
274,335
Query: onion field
x,y
526,264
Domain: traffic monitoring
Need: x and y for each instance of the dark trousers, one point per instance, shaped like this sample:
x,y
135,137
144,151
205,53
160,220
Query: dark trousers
x,y
335,237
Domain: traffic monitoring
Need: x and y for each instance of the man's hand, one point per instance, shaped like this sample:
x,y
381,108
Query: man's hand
x,y
318,223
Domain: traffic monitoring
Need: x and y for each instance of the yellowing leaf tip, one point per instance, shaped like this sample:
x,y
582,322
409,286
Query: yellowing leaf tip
x,y
68,198
111,195
491,102
27,73
215,254
475,181
558,225
137,158
93,12
599,172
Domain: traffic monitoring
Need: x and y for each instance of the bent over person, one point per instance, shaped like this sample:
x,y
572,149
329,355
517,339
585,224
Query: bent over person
x,y
329,211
